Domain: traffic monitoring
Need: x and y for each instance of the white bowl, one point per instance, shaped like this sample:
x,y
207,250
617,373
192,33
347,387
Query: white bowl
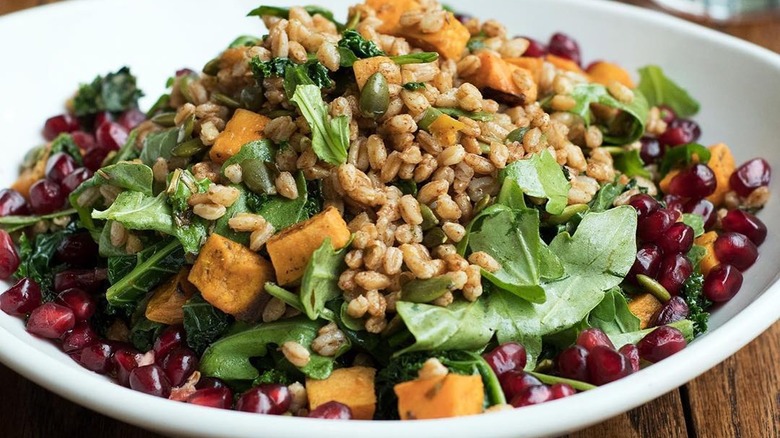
x,y
48,50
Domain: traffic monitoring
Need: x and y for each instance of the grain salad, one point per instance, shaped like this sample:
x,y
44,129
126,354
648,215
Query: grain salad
x,y
412,214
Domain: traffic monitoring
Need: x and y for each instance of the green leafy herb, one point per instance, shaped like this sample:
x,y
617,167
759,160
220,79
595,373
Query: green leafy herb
x,y
695,221
245,41
621,339
330,136
683,155
137,211
64,143
612,315
289,298
540,176
158,145
275,11
425,290
191,230
37,258
116,92
128,151
515,320
282,212
660,90
16,223
154,265
144,332
696,254
414,86
462,325
606,196
203,323
697,303
273,376
630,163
320,282
263,150
275,67
475,43
311,72
353,46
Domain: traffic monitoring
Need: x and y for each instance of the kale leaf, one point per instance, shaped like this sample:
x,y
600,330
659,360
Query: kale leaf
x,y
203,323
353,46
116,92
64,143
697,303
414,86
37,258
153,265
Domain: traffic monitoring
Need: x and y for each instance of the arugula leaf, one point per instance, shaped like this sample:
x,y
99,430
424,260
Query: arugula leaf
x,y
695,221
621,339
263,150
158,145
330,136
245,41
320,282
606,196
697,303
695,255
462,325
64,143
203,323
630,163
14,223
414,86
425,290
612,315
540,176
191,230
511,195
275,11
660,90
154,264
353,46
116,92
515,320
683,155
137,211
289,298
128,151
282,212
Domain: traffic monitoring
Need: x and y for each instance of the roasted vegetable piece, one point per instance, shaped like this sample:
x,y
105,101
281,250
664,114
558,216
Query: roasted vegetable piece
x,y
291,249
449,41
30,175
365,68
390,11
534,65
165,305
353,387
722,165
603,72
644,306
244,127
710,260
452,395
445,129
495,78
564,64
231,277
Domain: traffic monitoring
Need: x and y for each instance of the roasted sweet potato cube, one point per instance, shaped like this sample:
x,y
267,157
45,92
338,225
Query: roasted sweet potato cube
x,y
710,260
30,176
452,395
644,306
450,41
564,64
353,387
165,305
390,11
495,78
230,277
244,127
364,68
722,165
532,64
603,72
291,249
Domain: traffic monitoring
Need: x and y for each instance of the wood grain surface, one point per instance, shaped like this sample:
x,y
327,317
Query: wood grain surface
x,y
738,398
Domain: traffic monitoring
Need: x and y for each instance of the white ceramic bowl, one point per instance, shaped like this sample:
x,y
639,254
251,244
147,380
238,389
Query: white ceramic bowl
x,y
48,50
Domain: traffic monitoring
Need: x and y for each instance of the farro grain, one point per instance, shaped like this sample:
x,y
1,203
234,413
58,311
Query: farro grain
x,y
374,255
431,369
357,307
328,342
234,173
376,324
208,211
393,261
446,208
485,261
160,169
371,280
118,234
298,397
432,190
620,92
280,129
347,280
451,156
354,259
562,102
286,186
296,353
260,236
480,164
499,154
376,303
410,210
245,222
454,231
444,300
469,97
223,195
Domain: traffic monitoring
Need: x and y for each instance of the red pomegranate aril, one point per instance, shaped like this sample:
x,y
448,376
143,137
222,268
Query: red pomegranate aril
x,y
56,125
21,298
535,48
51,321
674,310
84,140
58,166
679,132
102,117
9,258
96,357
573,363
565,46
80,302
644,204
77,250
93,160
697,181
220,398
506,357
650,228
561,390
332,410
651,150
591,338
648,261
750,176
12,203
463,18
80,337
674,202
607,365
675,269
170,338
184,71
124,361
630,351
533,395
150,379
722,283
210,382
179,364
89,280
702,207
269,398
131,118
667,114
110,136
740,221
515,381
735,249
661,343
72,181
677,239
46,197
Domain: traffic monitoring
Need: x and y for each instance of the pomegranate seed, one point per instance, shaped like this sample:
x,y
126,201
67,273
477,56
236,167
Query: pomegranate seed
x,y
535,48
268,398
651,150
170,338
750,176
77,250
463,18
332,410
184,72
84,140
735,249
58,166
573,363
101,118
722,283
72,181
667,113
96,357
210,382
89,280
150,379
93,160
565,46
179,364
46,197
12,203
561,390
661,343
644,204
632,353
697,181
591,338
675,309
9,258
702,207
220,398
131,118
533,395
740,221
648,260
674,202
80,337
22,298
607,365
677,239
675,269
124,361
655,225
56,125
51,321
506,357
515,381
81,303
110,136
679,132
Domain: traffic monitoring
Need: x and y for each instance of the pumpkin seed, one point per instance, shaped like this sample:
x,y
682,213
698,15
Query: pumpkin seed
x,y
375,96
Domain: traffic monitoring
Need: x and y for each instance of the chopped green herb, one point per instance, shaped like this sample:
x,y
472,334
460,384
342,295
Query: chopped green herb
x,y
116,92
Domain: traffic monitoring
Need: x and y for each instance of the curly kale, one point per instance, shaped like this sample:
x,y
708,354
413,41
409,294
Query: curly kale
x,y
116,92
310,72
275,67
697,304
360,47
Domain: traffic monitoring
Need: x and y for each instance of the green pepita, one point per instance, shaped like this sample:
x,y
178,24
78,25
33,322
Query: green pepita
x,y
375,96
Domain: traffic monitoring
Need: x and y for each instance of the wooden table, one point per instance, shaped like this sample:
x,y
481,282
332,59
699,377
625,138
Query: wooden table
x,y
738,398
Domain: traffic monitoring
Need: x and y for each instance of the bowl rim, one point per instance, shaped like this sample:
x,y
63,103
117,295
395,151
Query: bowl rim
x,y
586,409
